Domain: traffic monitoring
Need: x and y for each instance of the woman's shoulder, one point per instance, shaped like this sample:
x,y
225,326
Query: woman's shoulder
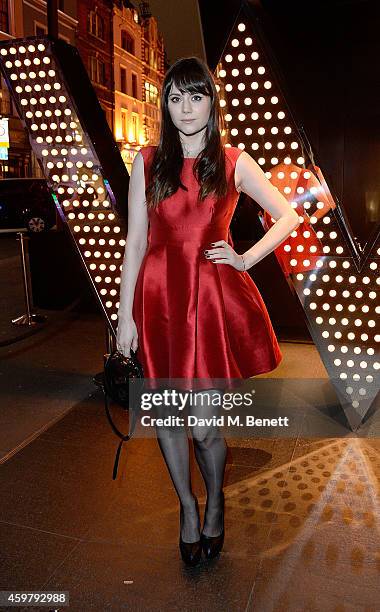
x,y
232,153
148,150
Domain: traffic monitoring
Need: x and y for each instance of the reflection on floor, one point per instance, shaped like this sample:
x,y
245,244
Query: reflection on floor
x,y
323,512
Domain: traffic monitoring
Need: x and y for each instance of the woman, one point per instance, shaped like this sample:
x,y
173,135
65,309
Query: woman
x,y
187,304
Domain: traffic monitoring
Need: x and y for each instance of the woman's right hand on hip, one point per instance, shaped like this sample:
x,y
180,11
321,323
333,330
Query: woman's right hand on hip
x,y
126,337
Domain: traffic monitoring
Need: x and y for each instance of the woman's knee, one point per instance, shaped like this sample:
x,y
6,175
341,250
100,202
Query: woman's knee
x,y
203,434
205,409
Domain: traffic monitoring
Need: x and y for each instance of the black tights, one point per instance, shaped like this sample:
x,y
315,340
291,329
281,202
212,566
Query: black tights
x,y
210,452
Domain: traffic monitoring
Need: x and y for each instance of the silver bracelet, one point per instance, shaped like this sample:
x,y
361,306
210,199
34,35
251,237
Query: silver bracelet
x,y
243,262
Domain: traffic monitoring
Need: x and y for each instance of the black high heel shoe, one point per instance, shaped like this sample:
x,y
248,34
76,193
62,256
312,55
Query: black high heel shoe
x,y
191,552
212,545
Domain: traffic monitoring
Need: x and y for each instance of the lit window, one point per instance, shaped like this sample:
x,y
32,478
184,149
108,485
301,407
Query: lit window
x,y
151,93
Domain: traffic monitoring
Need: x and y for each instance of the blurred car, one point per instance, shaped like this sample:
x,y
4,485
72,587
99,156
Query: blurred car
x,y
26,203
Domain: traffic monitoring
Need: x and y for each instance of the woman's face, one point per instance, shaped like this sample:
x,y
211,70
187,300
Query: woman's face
x,y
189,112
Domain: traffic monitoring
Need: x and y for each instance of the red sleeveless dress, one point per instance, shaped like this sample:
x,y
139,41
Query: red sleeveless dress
x,y
197,319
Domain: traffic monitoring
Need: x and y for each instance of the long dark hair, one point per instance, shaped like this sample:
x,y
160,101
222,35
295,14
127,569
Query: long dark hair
x,y
192,75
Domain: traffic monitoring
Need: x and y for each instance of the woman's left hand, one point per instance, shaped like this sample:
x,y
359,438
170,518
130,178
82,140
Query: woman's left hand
x,y
223,253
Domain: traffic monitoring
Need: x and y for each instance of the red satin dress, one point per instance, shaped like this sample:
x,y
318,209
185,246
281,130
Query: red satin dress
x,y
197,319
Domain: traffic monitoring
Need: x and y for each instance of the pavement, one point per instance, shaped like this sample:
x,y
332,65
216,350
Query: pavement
x,y
302,512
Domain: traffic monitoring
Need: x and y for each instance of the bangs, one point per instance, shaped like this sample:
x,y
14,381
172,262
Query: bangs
x,y
191,82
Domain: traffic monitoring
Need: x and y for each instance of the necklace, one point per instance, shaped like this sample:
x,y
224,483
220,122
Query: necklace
x,y
191,153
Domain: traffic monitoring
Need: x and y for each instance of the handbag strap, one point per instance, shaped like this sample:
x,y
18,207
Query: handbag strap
x,y
132,425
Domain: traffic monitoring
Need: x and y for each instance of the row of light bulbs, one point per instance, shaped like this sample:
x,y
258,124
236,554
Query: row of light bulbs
x,y
31,48
102,241
74,177
100,216
96,228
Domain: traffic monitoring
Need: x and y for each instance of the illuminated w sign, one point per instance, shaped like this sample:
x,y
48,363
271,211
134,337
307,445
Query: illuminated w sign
x,y
336,283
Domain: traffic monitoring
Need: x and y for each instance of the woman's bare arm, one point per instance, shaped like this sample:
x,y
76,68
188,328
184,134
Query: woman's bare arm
x,y
136,242
250,179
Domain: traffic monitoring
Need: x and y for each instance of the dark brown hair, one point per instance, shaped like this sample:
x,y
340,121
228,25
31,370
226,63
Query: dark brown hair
x,y
192,75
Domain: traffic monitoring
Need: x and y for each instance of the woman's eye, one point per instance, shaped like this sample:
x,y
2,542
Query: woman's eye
x,y
175,98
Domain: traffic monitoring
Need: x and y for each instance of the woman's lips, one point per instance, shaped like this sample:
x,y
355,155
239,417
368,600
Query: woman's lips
x,y
187,120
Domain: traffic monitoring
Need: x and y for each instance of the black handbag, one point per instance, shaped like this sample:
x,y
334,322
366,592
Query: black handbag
x,y
118,370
